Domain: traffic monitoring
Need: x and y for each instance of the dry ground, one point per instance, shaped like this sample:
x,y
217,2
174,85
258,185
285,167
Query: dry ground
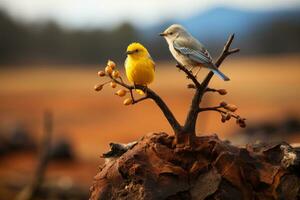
x,y
263,88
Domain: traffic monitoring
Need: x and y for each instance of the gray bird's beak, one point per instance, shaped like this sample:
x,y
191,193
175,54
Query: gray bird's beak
x,y
162,34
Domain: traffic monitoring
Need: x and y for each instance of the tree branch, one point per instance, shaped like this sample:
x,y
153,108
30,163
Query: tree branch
x,y
192,86
150,94
134,101
140,99
165,109
190,122
226,52
215,108
226,115
189,74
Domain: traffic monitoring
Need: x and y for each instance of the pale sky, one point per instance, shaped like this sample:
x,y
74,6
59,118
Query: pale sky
x,y
77,13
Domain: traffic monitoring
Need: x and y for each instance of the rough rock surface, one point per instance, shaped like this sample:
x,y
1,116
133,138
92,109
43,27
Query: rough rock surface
x,y
157,169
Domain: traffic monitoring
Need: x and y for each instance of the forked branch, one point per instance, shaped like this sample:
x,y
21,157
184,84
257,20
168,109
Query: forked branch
x,y
190,122
227,112
149,94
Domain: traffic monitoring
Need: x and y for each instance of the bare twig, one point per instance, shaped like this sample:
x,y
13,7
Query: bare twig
x,y
192,86
217,109
210,90
29,192
226,114
209,108
189,74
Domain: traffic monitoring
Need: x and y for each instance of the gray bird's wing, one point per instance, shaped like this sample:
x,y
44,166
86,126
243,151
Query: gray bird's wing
x,y
194,50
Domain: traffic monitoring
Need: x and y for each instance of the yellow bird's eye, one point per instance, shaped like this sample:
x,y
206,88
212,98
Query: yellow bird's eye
x,y
136,50
171,33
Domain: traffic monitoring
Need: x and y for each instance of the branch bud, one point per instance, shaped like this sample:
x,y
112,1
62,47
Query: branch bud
x,y
101,73
190,85
111,64
121,93
223,118
231,107
108,70
227,116
115,74
98,87
222,91
113,84
223,104
127,101
241,122
243,125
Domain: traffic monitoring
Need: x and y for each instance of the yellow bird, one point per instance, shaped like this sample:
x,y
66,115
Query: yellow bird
x,y
139,65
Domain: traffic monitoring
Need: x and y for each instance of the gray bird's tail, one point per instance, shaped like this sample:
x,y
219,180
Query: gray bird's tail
x,y
220,74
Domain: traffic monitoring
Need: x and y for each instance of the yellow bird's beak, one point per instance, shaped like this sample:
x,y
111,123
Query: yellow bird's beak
x,y
129,52
162,34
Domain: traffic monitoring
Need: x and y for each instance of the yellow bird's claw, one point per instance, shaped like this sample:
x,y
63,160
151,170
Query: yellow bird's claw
x,y
140,92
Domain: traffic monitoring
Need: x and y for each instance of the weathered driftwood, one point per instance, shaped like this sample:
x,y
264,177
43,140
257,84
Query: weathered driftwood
x,y
156,168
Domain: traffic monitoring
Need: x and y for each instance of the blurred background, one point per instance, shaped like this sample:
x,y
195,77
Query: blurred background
x,y
50,52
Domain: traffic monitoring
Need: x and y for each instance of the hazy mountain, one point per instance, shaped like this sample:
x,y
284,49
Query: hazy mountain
x,y
221,21
252,28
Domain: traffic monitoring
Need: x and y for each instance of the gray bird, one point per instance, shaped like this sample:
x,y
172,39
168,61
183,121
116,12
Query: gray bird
x,y
188,51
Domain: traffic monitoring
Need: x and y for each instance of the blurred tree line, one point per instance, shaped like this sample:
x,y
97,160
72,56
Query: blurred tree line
x,y
281,35
51,43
